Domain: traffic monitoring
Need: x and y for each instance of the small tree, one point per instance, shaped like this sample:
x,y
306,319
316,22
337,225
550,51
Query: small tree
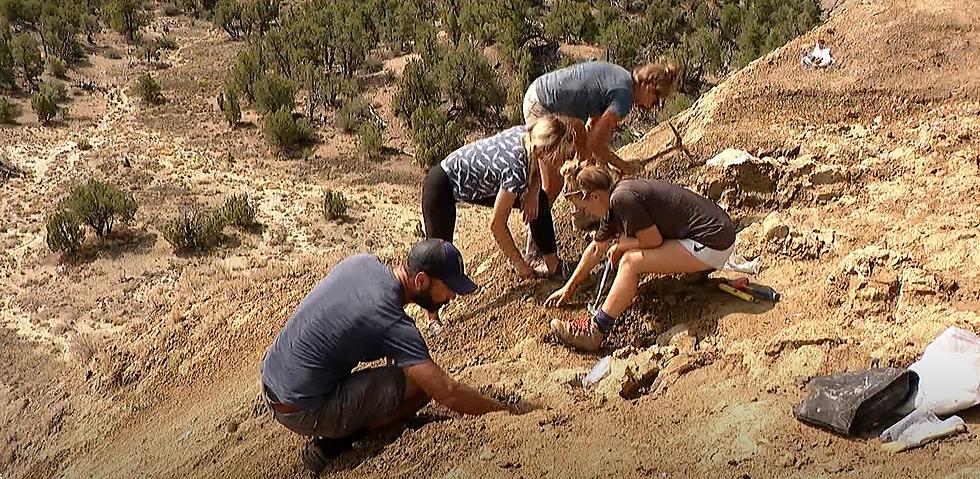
x,y
27,56
469,83
370,140
64,232
46,103
246,71
273,92
334,205
433,135
148,90
99,205
283,132
415,89
126,17
228,102
8,112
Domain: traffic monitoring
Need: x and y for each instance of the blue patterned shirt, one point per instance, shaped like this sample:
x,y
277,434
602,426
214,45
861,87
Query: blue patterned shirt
x,y
481,169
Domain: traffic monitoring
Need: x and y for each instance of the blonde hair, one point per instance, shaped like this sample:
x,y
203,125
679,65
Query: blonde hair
x,y
663,77
552,138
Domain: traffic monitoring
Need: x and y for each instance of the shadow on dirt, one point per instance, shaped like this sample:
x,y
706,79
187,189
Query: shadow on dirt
x,y
372,446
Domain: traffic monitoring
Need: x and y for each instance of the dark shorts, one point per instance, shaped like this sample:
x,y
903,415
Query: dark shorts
x,y
358,400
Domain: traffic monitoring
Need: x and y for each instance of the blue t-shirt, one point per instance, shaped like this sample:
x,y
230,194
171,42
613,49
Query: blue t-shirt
x,y
585,90
353,315
481,169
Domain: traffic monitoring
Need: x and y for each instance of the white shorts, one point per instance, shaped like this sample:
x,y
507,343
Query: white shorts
x,y
711,257
533,109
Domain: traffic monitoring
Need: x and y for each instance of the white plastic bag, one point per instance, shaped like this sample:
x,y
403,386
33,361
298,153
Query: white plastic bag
x,y
949,373
599,371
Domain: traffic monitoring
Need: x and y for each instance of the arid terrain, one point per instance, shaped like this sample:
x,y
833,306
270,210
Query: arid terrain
x,y
861,197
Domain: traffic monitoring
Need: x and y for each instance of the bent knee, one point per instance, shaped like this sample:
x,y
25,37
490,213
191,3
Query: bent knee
x,y
630,260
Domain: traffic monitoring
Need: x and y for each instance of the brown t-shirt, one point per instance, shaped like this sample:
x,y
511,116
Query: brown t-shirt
x,y
678,213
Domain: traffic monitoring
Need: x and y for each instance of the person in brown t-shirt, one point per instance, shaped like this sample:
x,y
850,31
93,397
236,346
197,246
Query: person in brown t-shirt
x,y
659,228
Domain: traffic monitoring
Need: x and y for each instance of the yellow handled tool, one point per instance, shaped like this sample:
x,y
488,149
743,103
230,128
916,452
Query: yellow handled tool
x,y
734,292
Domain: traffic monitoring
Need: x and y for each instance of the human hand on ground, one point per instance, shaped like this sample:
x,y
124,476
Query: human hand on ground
x,y
524,270
559,297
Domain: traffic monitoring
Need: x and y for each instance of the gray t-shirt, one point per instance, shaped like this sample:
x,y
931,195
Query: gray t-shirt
x,y
678,213
585,90
481,169
354,315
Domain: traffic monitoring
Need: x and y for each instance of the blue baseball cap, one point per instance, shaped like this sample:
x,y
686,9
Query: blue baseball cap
x,y
441,260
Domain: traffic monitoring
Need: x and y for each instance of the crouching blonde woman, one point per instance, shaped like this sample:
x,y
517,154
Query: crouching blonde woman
x,y
501,172
658,228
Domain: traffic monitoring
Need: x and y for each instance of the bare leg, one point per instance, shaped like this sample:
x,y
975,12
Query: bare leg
x,y
415,399
668,258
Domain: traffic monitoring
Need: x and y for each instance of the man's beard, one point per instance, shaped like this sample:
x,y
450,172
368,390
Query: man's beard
x,y
424,299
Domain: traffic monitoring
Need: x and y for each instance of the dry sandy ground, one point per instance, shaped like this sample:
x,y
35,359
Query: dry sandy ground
x,y
133,362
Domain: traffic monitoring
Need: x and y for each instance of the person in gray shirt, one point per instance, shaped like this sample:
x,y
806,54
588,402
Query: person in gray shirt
x,y
355,315
599,95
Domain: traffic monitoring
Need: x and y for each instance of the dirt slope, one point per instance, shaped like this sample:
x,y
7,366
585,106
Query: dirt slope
x,y
135,363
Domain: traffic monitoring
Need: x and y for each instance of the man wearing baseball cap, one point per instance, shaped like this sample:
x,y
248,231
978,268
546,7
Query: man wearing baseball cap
x,y
355,315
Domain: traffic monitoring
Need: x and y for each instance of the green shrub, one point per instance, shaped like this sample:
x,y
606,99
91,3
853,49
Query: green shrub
x,y
469,82
433,135
338,89
148,90
239,211
228,102
46,103
352,115
167,42
126,17
416,89
334,205
194,229
99,205
7,64
571,21
283,132
64,232
273,92
373,64
57,68
8,112
245,73
27,56
673,106
370,140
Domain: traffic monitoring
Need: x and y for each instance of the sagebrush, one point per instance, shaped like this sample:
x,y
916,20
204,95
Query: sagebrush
x,y
64,231
194,229
239,210
334,205
99,205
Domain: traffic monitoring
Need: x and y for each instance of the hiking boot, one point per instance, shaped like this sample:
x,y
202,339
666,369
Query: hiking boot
x,y
319,451
579,333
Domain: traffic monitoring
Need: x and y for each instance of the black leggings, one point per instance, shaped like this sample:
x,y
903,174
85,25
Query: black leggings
x,y
439,212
